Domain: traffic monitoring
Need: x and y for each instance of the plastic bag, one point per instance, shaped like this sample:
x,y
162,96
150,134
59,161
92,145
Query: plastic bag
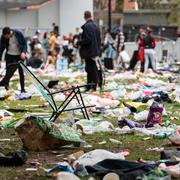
x,y
175,137
95,156
23,96
124,56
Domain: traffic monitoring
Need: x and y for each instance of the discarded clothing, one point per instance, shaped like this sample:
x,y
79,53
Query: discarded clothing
x,y
64,166
23,96
173,170
129,123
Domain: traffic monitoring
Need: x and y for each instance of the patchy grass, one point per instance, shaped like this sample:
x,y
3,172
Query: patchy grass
x,y
134,144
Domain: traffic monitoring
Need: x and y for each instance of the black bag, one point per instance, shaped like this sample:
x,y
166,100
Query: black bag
x,y
18,158
127,170
52,83
108,63
34,63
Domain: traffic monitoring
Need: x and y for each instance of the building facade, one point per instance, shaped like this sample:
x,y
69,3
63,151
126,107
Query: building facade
x,y
67,14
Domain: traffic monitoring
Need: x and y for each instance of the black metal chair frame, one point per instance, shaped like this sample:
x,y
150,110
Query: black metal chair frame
x,y
74,93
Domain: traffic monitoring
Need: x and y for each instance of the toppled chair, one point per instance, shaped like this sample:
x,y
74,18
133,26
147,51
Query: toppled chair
x,y
40,132
74,93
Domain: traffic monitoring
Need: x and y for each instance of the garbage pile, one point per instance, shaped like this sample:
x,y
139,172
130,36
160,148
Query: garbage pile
x,y
130,104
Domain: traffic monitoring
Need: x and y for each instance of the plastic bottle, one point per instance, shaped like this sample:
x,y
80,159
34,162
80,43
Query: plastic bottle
x,y
58,65
161,135
65,64
61,65
166,123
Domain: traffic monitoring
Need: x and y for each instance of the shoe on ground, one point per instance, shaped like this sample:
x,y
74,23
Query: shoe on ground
x,y
86,90
92,90
23,91
4,85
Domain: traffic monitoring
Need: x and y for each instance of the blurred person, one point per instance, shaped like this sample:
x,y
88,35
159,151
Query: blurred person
x,y
33,43
108,39
57,45
90,44
67,49
14,43
51,60
70,38
142,32
52,56
38,34
119,41
45,43
149,53
55,28
125,59
140,53
71,48
38,57
139,38
76,38
52,40
77,35
65,41
109,51
39,52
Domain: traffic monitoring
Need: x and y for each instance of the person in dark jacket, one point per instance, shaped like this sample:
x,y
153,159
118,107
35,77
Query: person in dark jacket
x,y
90,44
15,45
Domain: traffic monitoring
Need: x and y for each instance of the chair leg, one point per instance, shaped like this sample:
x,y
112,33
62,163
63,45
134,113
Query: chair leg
x,y
82,110
64,104
75,93
79,92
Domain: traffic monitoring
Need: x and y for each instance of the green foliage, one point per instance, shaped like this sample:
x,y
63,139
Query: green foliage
x,y
172,5
117,5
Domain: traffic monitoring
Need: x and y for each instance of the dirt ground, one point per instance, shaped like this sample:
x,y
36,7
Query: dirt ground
x,y
46,159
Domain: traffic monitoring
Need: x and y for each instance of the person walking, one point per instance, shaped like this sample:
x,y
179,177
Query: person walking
x,y
52,40
119,43
138,55
149,53
77,37
109,51
90,45
45,44
15,45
